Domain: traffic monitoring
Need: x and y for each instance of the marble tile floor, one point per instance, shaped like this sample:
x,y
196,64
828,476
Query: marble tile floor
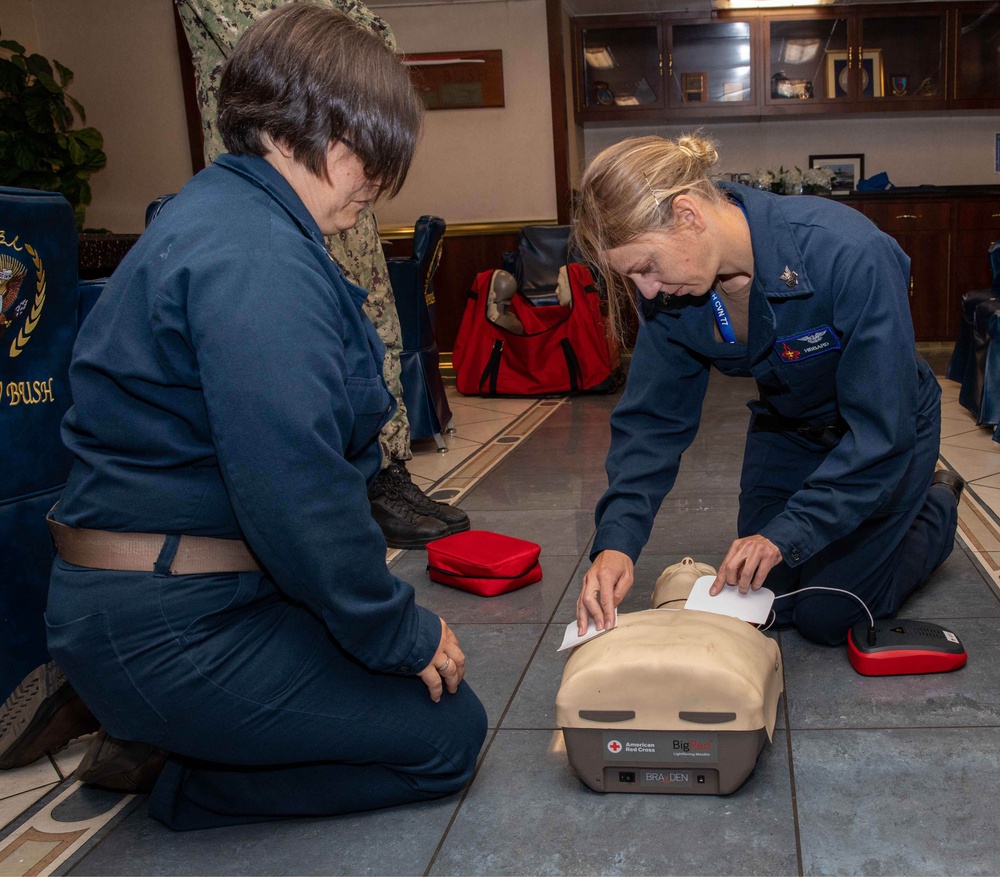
x,y
864,775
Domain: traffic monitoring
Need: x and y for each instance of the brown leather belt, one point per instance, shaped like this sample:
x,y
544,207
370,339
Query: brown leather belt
x,y
138,552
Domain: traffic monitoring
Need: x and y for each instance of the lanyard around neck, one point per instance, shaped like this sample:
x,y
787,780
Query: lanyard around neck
x,y
719,309
722,319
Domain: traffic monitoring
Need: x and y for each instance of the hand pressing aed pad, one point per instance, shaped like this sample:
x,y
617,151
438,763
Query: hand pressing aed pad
x,y
753,606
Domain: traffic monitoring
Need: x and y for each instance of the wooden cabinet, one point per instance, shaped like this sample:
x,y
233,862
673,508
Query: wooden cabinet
x,y
619,70
977,227
900,60
975,73
923,231
798,48
710,67
947,238
934,56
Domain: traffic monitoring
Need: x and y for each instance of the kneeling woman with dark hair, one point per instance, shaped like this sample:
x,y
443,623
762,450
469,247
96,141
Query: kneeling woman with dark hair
x,y
221,590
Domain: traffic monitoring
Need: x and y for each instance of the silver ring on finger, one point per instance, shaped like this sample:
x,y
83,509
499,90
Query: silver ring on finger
x,y
445,665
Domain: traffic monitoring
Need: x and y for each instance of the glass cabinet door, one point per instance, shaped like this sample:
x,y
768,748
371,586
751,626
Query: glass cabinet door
x,y
901,59
807,61
709,63
621,68
977,59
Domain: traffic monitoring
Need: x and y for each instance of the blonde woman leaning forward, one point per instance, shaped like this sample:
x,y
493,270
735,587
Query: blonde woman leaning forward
x,y
810,299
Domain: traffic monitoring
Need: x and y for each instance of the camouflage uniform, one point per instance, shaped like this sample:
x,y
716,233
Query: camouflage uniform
x,y
213,27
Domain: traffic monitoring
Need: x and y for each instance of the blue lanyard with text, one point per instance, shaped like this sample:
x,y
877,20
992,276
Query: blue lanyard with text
x,y
719,309
722,318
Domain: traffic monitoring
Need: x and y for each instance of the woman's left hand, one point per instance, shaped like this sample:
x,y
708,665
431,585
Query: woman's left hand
x,y
446,668
747,564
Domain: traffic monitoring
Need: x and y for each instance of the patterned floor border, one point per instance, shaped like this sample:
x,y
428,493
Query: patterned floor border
x,y
63,825
978,532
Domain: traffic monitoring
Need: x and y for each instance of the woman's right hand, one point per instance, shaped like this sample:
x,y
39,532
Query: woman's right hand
x,y
447,667
604,586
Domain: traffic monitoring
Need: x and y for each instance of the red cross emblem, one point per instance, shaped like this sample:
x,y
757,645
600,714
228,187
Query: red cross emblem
x,y
614,746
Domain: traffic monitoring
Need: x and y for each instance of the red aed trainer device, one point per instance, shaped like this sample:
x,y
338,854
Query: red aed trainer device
x,y
898,647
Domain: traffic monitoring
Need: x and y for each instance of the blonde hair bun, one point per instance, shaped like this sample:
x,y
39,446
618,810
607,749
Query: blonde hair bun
x,y
701,150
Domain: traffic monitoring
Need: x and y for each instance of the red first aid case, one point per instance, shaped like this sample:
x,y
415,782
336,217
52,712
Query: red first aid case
x,y
484,563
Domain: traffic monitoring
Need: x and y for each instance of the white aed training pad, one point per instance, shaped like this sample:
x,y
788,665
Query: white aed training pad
x,y
753,606
571,637
670,700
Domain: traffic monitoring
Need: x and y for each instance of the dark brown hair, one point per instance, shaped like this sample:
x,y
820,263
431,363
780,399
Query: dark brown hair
x,y
307,75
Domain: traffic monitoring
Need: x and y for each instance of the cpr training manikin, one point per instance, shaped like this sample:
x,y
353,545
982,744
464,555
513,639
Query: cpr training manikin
x,y
671,700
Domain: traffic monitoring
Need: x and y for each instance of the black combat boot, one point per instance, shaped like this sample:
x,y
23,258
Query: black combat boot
x,y
454,518
401,524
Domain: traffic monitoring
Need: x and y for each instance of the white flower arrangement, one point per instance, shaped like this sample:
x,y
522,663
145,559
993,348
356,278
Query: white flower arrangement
x,y
818,179
794,180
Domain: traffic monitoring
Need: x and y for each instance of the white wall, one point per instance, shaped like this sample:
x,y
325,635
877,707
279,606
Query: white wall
x,y
481,165
127,76
920,150
17,22
472,165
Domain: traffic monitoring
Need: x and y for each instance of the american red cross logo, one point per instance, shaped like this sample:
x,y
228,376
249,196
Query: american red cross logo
x,y
614,746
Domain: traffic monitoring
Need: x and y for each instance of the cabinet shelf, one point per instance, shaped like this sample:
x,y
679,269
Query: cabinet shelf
x,y
840,59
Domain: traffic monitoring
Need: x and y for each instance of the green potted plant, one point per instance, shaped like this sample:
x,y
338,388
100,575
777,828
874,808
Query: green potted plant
x,y
39,147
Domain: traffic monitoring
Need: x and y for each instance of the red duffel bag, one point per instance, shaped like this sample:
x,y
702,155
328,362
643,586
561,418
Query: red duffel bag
x,y
520,349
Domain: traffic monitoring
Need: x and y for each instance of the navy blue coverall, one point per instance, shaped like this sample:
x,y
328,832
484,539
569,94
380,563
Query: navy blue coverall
x,y
830,343
228,384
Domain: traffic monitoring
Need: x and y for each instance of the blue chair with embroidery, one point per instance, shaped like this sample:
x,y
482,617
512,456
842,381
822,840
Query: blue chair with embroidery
x,y
38,325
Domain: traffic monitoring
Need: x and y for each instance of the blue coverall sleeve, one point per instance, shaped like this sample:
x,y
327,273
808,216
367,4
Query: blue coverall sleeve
x,y
287,409
877,393
653,424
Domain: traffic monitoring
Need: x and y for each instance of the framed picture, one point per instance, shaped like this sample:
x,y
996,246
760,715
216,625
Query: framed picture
x,y
871,73
847,170
457,80
694,87
735,91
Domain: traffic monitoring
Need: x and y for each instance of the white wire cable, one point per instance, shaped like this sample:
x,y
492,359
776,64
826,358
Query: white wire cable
x,y
821,588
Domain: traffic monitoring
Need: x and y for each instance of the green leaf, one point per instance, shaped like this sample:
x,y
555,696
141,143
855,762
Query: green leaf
x,y
39,116
65,74
91,137
11,78
12,46
62,118
19,62
24,158
94,162
39,65
77,153
49,82
78,107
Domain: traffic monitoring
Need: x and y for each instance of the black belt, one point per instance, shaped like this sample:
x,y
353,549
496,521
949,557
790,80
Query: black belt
x,y
826,435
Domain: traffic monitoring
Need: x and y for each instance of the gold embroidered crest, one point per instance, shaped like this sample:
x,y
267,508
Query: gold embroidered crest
x,y
15,297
